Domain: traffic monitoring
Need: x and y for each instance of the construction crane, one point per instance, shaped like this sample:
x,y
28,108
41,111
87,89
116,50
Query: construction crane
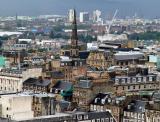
x,y
113,18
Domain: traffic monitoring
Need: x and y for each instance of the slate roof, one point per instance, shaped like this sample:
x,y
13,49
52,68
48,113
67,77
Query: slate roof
x,y
57,74
64,105
63,85
128,55
72,116
64,88
137,106
84,54
156,96
124,49
91,68
84,84
37,82
99,115
95,115
14,53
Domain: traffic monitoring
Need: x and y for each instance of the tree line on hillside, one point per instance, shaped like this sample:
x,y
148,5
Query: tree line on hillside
x,y
145,36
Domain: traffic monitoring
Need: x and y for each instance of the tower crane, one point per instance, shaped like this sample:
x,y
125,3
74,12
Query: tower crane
x,y
113,18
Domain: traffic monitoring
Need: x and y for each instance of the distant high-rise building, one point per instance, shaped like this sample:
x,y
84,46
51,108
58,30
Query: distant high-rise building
x,y
97,15
84,17
16,18
71,15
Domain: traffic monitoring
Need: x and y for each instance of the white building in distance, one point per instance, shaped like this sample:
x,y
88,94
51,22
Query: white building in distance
x,y
84,17
71,15
97,16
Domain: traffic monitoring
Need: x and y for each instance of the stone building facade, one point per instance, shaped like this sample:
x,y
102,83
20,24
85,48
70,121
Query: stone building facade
x,y
12,80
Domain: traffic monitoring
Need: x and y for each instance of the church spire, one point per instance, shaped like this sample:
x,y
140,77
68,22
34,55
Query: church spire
x,y
74,51
74,36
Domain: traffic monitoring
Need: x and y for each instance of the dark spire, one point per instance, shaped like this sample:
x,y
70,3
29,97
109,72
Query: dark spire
x,y
74,51
74,36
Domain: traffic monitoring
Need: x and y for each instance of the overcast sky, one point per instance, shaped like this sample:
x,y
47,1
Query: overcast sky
x,y
145,8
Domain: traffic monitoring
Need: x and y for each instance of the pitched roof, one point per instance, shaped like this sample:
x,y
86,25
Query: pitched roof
x,y
136,106
64,105
128,55
84,54
63,85
100,115
37,82
84,84
57,74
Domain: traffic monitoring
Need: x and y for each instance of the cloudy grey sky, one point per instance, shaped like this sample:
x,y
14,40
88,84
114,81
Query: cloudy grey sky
x,y
145,8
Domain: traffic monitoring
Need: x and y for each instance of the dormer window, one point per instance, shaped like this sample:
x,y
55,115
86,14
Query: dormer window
x,y
103,101
75,63
111,119
56,91
80,63
86,117
79,117
106,119
98,120
62,91
96,100
144,79
123,81
102,120
139,79
150,79
128,80
133,80
116,81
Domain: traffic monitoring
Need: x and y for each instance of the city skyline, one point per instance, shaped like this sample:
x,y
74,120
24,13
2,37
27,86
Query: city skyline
x,y
143,8
79,61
